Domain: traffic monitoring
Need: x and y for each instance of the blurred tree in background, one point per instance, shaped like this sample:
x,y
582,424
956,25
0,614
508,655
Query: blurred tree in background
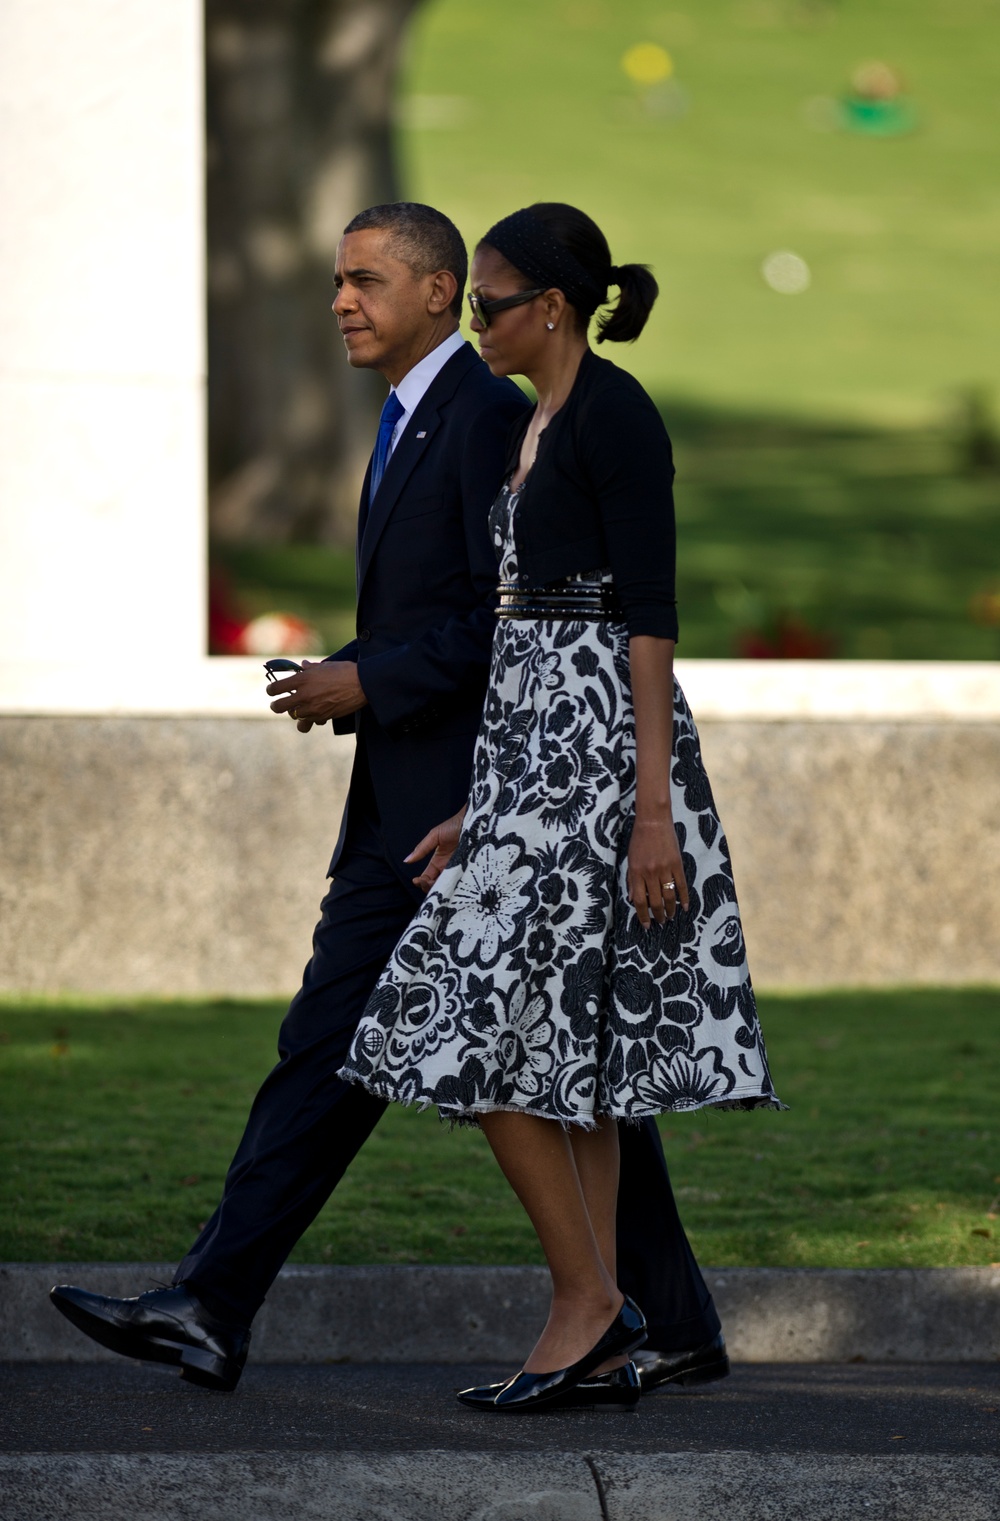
x,y
299,110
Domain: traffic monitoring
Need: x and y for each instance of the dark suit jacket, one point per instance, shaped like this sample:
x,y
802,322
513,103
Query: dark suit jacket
x,y
427,578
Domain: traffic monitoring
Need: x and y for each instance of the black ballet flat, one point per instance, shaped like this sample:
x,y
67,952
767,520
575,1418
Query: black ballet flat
x,y
619,1390
482,1396
539,1391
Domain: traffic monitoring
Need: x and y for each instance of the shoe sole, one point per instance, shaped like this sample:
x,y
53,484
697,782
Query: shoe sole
x,y
690,1378
603,1407
206,1370
197,1366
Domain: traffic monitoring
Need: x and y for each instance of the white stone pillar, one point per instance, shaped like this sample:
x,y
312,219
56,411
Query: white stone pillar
x,y
102,521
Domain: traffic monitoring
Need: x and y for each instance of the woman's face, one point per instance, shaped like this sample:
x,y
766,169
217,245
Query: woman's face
x,y
515,337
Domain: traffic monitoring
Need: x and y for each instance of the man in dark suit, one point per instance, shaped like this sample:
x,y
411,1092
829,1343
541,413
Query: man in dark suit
x,y
411,686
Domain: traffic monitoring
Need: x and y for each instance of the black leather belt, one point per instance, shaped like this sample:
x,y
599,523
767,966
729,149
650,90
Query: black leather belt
x,y
577,602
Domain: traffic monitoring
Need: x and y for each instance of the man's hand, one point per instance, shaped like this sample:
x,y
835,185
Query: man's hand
x,y
321,690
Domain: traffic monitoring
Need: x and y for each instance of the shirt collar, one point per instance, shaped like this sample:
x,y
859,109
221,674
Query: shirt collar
x,y
416,382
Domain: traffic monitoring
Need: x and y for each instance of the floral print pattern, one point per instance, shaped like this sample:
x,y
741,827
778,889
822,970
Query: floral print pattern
x,y
525,981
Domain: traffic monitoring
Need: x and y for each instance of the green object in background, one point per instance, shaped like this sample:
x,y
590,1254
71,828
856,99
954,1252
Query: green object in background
x,y
878,118
118,1124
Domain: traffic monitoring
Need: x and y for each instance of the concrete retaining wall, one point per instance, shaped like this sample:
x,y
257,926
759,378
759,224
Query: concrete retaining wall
x,y
490,1314
163,855
186,855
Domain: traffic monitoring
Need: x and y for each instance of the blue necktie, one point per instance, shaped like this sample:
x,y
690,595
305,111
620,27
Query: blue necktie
x,y
391,413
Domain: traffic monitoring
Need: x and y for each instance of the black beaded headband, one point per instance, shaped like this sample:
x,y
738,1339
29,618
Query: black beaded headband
x,y
526,242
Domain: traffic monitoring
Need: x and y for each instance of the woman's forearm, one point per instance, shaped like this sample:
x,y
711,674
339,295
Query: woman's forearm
x,y
651,662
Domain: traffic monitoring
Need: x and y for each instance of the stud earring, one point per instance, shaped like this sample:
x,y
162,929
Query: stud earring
x,y
551,326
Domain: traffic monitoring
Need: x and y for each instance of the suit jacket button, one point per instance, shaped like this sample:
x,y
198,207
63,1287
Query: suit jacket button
x,y
364,635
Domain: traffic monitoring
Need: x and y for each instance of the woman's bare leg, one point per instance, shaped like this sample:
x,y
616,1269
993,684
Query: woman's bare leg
x,y
537,1158
597,1160
595,1153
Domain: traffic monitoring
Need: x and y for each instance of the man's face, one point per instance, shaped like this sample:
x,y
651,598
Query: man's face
x,y
381,306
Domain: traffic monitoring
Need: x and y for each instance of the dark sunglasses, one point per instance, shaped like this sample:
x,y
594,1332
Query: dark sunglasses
x,y
484,311
278,669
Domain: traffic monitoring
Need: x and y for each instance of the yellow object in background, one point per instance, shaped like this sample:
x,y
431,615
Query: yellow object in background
x,y
647,63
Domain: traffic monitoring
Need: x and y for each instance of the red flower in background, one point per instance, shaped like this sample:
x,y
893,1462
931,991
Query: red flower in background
x,y
789,638
985,607
226,620
231,632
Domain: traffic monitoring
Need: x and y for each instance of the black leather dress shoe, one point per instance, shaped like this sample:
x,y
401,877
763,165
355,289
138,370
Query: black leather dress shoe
x,y
161,1326
617,1390
698,1365
538,1391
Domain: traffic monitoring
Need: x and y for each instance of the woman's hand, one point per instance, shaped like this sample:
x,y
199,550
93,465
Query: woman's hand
x,y
655,871
656,882
442,840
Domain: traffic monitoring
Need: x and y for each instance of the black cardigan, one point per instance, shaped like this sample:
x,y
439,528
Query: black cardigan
x,y
600,494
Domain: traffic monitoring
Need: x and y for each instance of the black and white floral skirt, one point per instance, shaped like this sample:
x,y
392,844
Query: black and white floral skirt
x,y
525,982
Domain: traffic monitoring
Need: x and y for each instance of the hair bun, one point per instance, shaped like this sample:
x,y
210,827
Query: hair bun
x,y
637,292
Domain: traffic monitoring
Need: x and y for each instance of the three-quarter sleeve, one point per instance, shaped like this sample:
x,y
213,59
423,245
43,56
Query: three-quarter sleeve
x,y
626,452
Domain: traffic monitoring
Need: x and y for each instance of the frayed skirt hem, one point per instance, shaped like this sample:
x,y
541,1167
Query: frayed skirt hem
x,y
470,1115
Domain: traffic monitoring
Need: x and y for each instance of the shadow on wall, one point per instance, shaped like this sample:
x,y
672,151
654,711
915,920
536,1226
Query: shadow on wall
x,y
316,1314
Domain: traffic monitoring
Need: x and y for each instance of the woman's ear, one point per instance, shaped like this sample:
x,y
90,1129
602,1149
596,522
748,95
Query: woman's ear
x,y
554,303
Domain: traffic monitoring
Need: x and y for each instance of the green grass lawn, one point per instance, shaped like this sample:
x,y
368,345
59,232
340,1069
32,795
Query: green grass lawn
x,y
879,540
825,440
901,234
118,1123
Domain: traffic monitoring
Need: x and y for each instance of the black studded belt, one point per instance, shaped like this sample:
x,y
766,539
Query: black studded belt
x,y
574,602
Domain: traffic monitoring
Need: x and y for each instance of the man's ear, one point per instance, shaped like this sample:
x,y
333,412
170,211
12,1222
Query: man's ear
x,y
443,290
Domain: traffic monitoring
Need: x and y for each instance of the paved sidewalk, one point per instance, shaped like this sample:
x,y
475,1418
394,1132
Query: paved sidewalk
x,y
368,1443
858,1408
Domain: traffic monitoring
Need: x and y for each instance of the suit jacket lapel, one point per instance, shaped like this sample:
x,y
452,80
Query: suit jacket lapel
x,y
417,437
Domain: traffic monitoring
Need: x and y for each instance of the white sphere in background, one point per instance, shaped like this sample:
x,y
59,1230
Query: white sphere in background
x,y
786,273
279,634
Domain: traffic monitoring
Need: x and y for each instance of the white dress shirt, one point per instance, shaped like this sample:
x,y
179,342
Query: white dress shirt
x,y
416,382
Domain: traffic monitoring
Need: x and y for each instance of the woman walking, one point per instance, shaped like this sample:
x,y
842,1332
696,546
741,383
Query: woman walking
x,y
579,959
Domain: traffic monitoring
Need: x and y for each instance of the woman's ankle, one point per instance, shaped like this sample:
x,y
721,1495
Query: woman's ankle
x,y
587,1302
576,1323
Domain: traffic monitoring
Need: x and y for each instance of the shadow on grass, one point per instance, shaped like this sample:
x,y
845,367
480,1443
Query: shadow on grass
x,y
870,537
117,1125
876,541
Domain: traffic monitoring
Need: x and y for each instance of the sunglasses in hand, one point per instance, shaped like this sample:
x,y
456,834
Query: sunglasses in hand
x,y
276,669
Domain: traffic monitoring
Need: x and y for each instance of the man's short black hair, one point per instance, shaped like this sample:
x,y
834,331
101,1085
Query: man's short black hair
x,y
421,237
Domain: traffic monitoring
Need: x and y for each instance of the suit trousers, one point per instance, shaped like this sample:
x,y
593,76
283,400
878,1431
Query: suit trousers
x,y
307,1125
